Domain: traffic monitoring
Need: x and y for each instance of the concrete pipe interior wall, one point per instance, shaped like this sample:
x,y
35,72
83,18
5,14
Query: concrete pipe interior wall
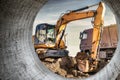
x,y
18,60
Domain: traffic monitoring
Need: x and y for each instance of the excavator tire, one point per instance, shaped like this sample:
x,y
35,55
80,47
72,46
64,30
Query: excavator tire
x,y
18,60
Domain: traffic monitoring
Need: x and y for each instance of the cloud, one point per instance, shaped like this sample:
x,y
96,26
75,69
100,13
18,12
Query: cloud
x,y
57,7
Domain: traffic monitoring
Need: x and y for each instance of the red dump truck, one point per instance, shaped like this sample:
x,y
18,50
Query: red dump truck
x,y
108,43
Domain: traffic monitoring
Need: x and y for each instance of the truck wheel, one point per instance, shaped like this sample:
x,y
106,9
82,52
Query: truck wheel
x,y
18,60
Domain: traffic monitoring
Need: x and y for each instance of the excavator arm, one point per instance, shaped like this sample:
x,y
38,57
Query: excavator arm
x,y
91,61
97,30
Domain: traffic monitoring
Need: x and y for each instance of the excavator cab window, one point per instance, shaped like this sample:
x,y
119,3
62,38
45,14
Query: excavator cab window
x,y
50,36
45,33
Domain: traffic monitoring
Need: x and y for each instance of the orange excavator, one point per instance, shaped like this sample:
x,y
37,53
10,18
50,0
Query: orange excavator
x,y
51,41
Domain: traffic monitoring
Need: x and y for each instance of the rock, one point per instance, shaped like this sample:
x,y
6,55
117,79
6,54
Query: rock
x,y
67,62
69,76
49,60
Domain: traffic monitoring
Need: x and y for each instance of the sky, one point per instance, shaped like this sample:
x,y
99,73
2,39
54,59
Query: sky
x,y
53,9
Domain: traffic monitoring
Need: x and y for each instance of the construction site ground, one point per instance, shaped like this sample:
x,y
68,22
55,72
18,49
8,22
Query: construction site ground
x,y
66,67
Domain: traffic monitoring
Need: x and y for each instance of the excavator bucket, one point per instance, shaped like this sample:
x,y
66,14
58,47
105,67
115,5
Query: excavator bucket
x,y
82,61
85,63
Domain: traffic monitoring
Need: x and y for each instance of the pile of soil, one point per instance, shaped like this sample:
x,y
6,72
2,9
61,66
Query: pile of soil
x,y
65,66
68,67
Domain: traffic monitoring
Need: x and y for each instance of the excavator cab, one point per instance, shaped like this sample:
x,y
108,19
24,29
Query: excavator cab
x,y
45,38
45,33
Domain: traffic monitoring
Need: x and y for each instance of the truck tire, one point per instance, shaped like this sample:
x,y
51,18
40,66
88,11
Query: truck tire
x,y
18,60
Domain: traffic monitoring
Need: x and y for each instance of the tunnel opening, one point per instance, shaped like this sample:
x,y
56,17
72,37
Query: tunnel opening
x,y
67,66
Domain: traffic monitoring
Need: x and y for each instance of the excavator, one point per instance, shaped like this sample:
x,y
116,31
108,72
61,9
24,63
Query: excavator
x,y
54,46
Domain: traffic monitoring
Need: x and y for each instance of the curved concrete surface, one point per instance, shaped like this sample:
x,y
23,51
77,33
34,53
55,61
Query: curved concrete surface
x,y
18,60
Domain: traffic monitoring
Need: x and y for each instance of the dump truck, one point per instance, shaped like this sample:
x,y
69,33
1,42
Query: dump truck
x,y
108,43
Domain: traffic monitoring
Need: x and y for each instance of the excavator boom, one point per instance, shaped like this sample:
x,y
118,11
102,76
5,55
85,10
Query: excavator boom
x,y
65,19
72,16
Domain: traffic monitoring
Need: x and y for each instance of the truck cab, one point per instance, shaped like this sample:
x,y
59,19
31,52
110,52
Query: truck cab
x,y
86,40
108,41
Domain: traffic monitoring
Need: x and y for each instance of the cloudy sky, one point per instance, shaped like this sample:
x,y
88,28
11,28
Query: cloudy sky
x,y
53,9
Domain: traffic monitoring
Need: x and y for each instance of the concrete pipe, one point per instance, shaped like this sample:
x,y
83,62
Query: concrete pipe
x,y
18,60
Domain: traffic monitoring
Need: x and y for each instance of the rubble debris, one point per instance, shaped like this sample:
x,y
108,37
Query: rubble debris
x,y
65,66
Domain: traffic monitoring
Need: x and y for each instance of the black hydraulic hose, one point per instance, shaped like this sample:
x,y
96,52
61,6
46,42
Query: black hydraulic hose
x,y
61,38
83,8
80,9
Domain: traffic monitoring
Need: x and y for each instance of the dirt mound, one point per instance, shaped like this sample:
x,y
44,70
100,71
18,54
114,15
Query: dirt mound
x,y
65,66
